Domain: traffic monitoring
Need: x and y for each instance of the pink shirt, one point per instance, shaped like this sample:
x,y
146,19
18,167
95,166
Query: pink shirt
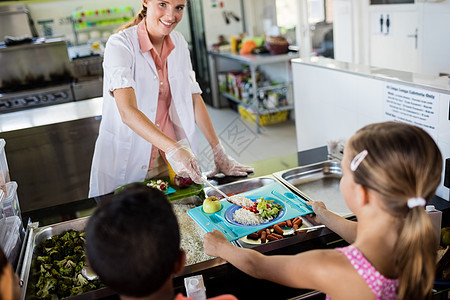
x,y
162,120
221,297
382,287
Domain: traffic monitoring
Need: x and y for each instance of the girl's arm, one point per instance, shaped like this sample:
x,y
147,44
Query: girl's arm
x,y
310,270
343,227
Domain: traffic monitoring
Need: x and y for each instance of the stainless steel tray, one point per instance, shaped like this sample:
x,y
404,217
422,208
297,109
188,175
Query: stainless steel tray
x,y
240,186
320,182
37,235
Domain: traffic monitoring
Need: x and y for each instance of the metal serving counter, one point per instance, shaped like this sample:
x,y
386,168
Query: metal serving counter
x,y
219,276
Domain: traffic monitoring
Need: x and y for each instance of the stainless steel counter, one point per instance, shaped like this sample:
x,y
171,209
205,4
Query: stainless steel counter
x,y
49,151
51,114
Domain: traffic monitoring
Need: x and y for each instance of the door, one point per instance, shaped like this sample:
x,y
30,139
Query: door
x,y
394,39
199,52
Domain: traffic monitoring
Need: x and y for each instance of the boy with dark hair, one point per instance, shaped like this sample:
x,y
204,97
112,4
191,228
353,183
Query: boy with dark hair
x,y
133,244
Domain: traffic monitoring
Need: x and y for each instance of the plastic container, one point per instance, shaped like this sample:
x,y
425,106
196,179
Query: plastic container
x,y
436,219
2,196
4,171
264,119
11,205
195,288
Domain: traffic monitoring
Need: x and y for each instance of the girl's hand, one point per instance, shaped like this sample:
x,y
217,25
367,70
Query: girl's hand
x,y
213,242
319,209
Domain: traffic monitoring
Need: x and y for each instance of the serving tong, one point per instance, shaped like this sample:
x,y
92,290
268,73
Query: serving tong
x,y
292,231
225,196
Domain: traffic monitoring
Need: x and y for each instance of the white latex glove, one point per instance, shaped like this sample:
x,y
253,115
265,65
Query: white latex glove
x,y
227,165
183,161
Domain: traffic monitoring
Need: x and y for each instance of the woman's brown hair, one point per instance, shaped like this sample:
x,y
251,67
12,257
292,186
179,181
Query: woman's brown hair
x,y
403,162
136,20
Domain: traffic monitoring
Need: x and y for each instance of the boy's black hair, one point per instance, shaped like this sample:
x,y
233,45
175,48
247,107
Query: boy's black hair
x,y
133,241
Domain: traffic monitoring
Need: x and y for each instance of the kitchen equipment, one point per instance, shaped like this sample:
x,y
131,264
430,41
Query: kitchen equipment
x,y
319,181
4,171
15,21
35,74
208,222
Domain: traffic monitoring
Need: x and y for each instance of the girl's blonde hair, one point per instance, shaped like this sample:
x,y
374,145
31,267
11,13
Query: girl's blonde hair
x,y
403,162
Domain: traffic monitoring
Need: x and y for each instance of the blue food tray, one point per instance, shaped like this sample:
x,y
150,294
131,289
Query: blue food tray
x,y
293,206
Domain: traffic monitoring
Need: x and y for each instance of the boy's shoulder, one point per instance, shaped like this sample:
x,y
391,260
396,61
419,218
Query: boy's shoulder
x,y
221,297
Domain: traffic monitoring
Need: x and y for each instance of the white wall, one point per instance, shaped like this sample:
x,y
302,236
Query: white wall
x,y
215,23
357,38
347,102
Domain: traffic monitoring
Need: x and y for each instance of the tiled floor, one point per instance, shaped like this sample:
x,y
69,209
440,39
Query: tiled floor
x,y
241,141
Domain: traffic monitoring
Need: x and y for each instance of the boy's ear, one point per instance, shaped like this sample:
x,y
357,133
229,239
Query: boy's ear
x,y
180,262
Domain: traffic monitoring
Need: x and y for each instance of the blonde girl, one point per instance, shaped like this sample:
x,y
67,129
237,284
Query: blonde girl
x,y
390,171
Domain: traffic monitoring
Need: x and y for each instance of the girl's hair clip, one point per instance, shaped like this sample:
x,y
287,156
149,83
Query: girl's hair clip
x,y
358,159
413,202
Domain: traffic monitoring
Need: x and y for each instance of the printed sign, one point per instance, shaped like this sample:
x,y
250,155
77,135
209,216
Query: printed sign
x,y
412,105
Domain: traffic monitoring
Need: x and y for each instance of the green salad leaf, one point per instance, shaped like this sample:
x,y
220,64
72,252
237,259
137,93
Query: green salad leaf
x,y
268,209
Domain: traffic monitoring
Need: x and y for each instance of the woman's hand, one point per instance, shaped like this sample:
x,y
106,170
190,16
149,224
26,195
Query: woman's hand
x,y
183,161
213,241
227,165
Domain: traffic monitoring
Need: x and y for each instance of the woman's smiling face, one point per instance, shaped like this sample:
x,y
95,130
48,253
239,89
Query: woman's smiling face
x,y
163,16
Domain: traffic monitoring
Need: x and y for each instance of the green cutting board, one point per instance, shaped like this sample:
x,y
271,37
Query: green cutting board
x,y
180,193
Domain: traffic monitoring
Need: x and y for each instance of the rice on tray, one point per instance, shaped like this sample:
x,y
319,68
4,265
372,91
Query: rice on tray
x,y
246,217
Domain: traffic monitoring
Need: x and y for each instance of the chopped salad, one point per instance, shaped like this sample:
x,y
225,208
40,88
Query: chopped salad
x,y
267,209
158,184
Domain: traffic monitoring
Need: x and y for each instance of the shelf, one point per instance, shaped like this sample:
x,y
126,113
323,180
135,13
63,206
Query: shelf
x,y
273,87
232,97
256,59
260,111
251,108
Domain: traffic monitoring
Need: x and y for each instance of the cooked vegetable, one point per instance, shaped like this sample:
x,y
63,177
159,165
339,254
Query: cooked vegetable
x,y
58,266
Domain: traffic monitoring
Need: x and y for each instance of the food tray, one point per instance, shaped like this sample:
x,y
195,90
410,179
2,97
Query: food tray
x,y
320,182
35,236
293,206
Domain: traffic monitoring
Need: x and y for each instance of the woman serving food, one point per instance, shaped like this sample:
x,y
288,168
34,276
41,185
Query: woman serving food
x,y
151,105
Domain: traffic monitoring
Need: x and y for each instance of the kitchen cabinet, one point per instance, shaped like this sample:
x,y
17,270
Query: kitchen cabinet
x,y
277,65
